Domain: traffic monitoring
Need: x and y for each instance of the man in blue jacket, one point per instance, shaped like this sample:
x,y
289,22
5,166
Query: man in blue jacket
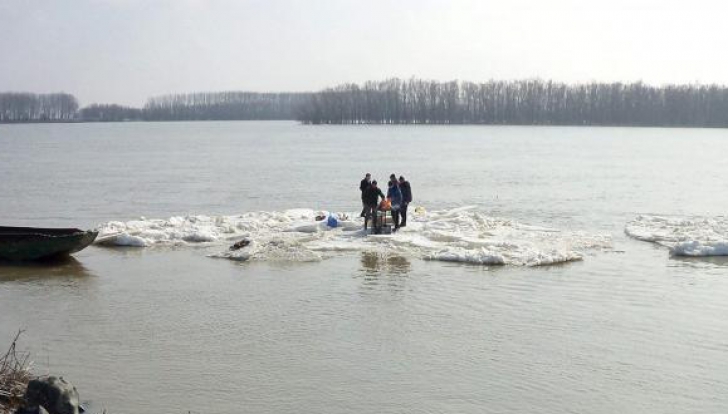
x,y
406,190
395,196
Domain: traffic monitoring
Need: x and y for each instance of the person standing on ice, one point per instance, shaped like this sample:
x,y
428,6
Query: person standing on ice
x,y
404,187
395,196
392,179
370,198
363,186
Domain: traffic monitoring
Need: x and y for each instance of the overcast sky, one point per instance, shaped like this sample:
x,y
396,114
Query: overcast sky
x,y
124,51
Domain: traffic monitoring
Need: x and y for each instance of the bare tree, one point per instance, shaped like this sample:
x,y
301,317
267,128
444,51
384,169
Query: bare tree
x,y
523,102
223,106
29,107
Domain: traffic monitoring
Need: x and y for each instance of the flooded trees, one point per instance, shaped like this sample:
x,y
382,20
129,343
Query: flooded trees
x,y
30,107
109,113
223,106
411,101
523,102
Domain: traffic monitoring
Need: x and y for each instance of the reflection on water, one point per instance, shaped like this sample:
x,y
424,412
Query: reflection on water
x,y
386,270
699,262
61,267
373,263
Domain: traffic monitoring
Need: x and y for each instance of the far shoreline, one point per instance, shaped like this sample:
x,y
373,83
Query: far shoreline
x,y
363,124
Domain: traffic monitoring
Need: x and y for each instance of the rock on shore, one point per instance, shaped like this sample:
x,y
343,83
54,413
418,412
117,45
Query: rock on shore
x,y
50,395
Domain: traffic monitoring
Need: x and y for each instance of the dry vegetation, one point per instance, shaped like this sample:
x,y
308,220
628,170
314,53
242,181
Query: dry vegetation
x,y
14,377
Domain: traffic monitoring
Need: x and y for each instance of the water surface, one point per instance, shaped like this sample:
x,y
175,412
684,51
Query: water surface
x,y
170,330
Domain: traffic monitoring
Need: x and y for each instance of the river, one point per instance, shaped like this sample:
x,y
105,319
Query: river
x,y
627,328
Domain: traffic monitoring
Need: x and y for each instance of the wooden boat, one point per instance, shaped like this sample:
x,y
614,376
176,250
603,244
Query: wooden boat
x,y
31,243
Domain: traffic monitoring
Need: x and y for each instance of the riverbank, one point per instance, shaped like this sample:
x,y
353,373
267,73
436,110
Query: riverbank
x,y
23,392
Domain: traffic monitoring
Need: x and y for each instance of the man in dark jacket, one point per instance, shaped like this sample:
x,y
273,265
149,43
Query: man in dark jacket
x,y
363,185
370,198
404,187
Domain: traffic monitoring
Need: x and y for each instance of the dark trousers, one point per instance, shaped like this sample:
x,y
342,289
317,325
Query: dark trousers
x,y
395,218
370,214
364,208
403,214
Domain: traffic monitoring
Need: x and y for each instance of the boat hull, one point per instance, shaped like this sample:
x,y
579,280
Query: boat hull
x,y
29,243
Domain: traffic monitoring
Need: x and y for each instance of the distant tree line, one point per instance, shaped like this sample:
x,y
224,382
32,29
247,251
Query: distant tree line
x,y
523,102
110,113
30,107
225,106
412,101
27,107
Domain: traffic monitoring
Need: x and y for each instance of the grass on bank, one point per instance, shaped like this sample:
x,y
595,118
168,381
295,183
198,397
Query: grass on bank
x,y
14,377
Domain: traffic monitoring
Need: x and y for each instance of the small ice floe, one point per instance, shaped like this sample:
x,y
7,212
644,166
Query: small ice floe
x,y
121,239
700,249
684,236
176,230
459,255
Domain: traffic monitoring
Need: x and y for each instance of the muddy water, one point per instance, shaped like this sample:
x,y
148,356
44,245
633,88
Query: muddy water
x,y
627,329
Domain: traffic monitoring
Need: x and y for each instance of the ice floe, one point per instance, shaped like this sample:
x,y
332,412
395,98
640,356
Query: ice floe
x,y
464,235
684,236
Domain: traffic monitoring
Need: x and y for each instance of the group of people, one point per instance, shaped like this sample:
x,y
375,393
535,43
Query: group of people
x,y
399,195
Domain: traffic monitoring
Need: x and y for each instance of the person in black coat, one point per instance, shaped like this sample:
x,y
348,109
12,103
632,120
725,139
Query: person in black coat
x,y
404,187
363,185
370,198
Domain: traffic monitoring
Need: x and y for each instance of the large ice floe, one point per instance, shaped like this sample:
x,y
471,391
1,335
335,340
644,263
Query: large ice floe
x,y
684,236
459,235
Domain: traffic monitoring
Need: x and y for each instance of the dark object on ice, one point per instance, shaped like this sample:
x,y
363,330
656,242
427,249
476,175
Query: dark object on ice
x,y
56,395
32,243
320,217
385,229
239,245
380,223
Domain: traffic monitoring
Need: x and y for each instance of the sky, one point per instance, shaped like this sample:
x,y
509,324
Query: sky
x,y
125,51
